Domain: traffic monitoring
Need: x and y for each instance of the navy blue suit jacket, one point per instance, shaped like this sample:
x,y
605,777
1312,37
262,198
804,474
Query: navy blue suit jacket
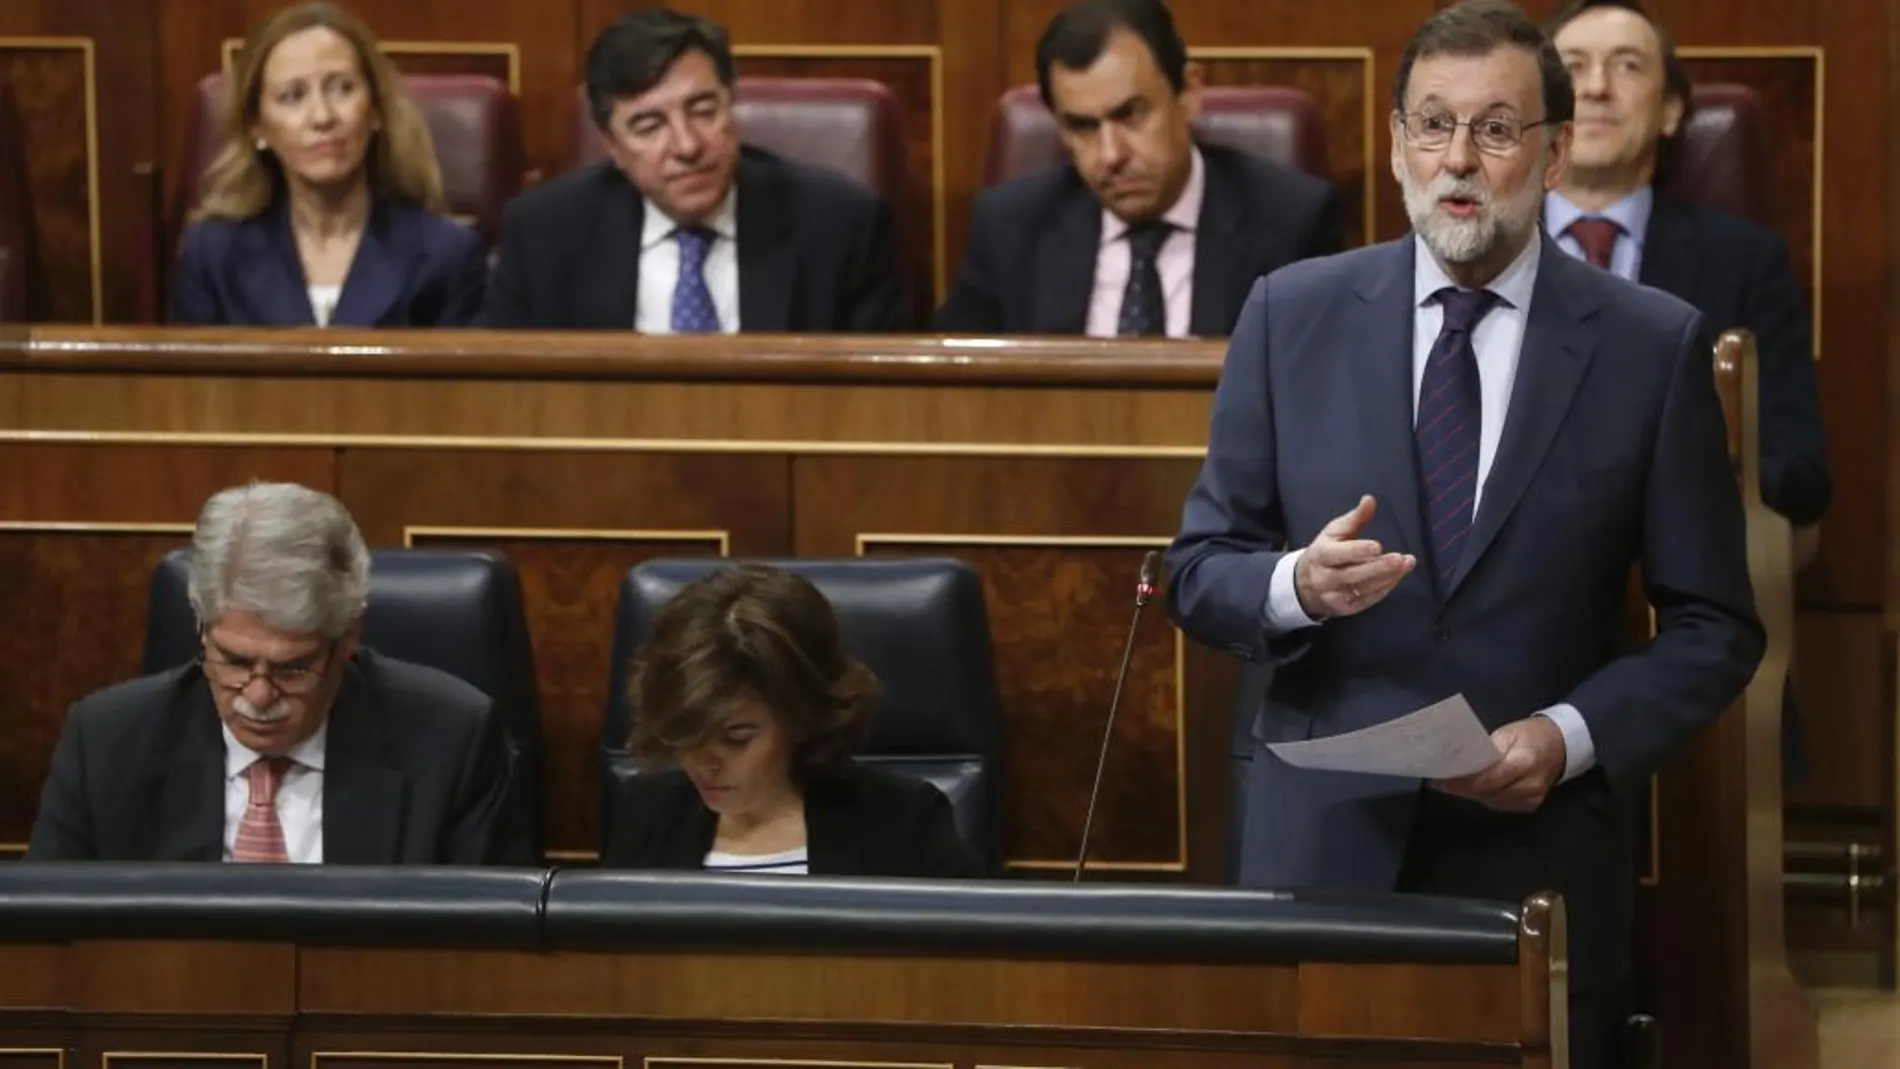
x,y
1030,266
1613,455
413,269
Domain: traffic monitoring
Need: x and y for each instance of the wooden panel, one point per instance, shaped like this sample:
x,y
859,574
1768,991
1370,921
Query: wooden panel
x,y
1333,1001
29,1058
85,593
50,81
1839,658
573,524
186,978
1343,88
1058,544
792,21
84,163
34,975
914,75
81,529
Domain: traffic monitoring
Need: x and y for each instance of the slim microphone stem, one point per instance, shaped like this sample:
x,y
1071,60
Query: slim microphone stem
x,y
1108,732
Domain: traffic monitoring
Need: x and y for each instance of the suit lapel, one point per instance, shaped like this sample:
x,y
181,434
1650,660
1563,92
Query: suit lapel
x,y
609,296
1065,265
1383,374
362,800
187,813
380,272
1669,259
1558,345
768,262
271,274
1223,247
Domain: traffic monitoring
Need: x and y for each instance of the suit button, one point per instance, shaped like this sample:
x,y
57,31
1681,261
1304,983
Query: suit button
x,y
1440,633
1245,653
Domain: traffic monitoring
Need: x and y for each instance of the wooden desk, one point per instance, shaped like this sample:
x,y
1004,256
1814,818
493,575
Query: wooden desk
x,y
1380,984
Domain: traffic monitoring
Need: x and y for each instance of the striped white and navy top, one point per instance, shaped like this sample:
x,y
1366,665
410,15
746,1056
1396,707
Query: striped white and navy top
x,y
784,863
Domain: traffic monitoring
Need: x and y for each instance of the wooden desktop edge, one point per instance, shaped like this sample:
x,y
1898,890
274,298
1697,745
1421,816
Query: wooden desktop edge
x,y
464,354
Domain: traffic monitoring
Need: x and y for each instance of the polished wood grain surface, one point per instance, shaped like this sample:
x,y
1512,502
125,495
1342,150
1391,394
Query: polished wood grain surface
x,y
194,1005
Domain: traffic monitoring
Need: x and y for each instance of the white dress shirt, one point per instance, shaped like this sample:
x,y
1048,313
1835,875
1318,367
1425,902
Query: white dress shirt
x,y
660,268
1497,341
1174,262
299,796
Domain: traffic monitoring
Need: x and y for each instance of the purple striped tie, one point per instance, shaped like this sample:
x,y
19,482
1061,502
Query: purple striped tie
x,y
1449,420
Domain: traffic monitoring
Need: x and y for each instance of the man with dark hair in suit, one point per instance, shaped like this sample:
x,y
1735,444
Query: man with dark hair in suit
x,y
1143,231
284,742
682,229
1633,104
1432,465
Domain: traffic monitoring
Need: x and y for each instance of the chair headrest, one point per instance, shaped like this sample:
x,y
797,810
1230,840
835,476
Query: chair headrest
x,y
919,625
1721,161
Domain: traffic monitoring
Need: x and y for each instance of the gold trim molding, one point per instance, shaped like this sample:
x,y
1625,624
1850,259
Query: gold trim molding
x,y
1818,56
106,1057
1369,112
568,534
867,540
229,47
58,1053
612,445
89,527
84,46
607,1061
934,56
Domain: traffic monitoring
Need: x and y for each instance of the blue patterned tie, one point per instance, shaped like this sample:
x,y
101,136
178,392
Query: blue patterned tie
x,y
1449,421
693,311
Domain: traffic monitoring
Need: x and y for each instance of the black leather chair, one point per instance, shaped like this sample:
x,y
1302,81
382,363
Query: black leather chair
x,y
920,625
455,610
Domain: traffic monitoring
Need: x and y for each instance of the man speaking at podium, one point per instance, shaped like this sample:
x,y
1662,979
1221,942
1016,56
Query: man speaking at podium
x,y
1432,464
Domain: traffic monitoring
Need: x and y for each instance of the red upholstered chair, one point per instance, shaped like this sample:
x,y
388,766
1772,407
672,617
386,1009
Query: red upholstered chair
x,y
1275,122
847,125
22,283
1722,160
473,119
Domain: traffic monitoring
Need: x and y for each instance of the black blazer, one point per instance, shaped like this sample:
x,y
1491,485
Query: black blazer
x,y
1030,265
413,269
816,252
416,769
1739,275
859,822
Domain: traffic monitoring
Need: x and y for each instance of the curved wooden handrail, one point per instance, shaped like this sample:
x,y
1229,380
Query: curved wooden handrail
x,y
871,359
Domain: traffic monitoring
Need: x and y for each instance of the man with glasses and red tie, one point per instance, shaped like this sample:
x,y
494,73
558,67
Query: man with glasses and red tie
x,y
285,741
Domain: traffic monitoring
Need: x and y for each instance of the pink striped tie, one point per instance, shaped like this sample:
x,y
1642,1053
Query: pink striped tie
x,y
260,837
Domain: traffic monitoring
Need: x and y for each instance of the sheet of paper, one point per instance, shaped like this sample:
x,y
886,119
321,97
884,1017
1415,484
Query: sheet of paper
x,y
1437,742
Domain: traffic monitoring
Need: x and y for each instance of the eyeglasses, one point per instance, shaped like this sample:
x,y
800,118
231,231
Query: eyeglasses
x,y
235,673
1498,135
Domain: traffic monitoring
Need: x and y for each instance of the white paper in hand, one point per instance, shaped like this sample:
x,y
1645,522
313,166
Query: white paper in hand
x,y
1440,741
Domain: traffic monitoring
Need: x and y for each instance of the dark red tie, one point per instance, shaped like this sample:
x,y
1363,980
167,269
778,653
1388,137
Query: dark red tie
x,y
1597,236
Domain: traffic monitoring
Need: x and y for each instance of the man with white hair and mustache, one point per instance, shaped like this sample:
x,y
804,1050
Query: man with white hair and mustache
x,y
286,741
1432,464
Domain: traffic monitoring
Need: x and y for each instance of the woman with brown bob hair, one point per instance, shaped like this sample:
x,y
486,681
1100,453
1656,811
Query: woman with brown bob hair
x,y
324,203
748,713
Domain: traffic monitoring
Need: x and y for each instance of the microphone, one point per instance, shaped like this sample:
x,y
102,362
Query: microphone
x,y
1145,588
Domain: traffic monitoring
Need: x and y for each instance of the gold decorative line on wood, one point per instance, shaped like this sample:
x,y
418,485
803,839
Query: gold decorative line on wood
x,y
58,1053
1369,110
867,540
84,46
230,47
657,1061
723,539
1818,56
934,55
612,445
316,1057
90,527
107,1057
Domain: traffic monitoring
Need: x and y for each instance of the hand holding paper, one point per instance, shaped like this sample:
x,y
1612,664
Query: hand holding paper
x,y
1442,741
